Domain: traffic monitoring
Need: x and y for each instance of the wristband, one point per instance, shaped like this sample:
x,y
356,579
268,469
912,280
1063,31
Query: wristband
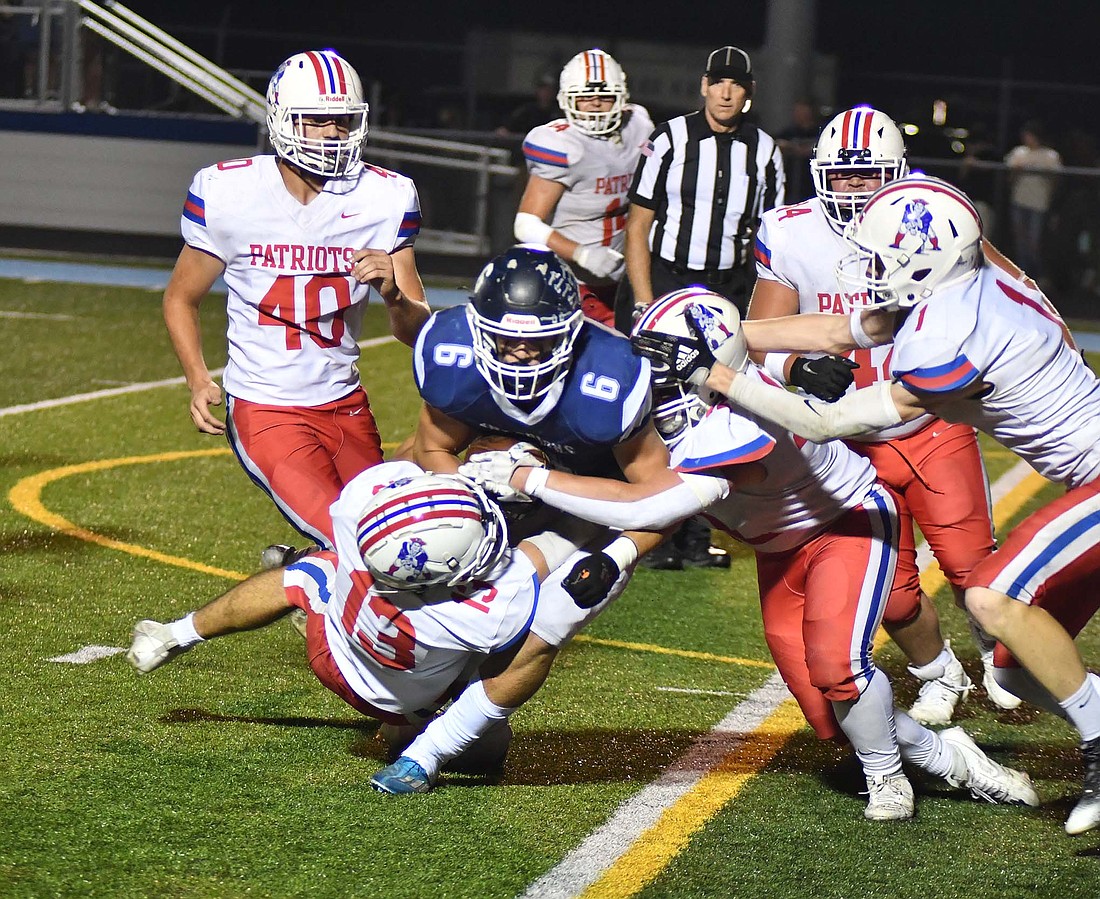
x,y
855,326
774,364
530,228
622,552
536,480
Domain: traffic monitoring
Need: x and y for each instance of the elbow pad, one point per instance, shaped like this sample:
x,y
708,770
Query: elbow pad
x,y
861,412
531,229
693,494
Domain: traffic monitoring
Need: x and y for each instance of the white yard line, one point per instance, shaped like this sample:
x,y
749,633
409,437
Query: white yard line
x,y
133,388
601,849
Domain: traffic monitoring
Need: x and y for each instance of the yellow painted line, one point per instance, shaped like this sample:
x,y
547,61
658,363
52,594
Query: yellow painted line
x,y
26,497
682,653
651,853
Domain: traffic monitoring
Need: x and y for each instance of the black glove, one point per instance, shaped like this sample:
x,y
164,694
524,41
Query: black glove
x,y
591,579
826,378
688,359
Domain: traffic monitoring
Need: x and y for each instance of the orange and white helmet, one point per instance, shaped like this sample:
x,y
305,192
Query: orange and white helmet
x,y
593,73
316,83
914,236
861,139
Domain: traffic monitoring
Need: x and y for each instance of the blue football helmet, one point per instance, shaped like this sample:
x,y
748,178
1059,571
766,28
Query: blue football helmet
x,y
525,294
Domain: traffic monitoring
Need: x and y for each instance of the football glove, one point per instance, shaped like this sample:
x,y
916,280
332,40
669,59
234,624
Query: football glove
x,y
603,262
591,579
493,470
687,359
827,377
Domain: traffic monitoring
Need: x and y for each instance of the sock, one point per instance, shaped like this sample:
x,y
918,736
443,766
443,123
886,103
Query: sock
x,y
466,719
934,669
923,748
868,723
183,631
1083,708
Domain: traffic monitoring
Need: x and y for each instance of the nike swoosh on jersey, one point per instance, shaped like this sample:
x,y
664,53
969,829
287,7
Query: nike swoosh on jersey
x,y
348,215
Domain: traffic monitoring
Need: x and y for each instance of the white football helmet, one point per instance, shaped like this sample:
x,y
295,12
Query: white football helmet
x,y
431,529
593,73
860,138
915,235
316,83
677,406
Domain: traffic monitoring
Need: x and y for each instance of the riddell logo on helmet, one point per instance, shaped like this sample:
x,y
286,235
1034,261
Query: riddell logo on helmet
x,y
333,98
520,322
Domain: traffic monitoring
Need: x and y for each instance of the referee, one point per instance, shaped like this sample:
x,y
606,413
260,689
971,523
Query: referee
x,y
700,186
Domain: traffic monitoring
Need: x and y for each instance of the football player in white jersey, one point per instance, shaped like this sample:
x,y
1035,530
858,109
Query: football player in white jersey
x,y
809,511
580,170
936,467
301,238
973,345
421,600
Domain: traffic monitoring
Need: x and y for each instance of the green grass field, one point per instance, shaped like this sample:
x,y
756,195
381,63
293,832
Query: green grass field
x,y
232,773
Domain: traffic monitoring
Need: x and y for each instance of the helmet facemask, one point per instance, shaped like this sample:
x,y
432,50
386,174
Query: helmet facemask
x,y
863,140
431,530
323,86
593,73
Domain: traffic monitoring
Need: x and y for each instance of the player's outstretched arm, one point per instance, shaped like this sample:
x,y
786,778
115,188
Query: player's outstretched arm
x,y
438,441
193,276
818,332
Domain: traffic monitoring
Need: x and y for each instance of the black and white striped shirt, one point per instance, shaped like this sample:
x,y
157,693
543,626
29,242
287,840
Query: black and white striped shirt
x,y
707,190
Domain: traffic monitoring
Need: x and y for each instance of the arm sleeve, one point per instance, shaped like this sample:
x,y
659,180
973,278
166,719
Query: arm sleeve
x,y
693,494
860,412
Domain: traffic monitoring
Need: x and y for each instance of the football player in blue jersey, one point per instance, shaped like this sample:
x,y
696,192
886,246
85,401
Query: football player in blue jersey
x,y
521,360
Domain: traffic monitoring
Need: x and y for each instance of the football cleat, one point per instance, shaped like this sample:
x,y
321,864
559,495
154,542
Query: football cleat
x,y
1086,813
938,697
298,619
997,694
889,798
401,778
153,646
985,778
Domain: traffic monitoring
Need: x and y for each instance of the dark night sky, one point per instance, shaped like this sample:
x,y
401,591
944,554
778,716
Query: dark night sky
x,y
1051,41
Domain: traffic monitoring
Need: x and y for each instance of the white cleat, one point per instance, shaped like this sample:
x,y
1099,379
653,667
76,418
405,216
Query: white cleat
x,y
938,697
889,798
298,619
997,694
985,778
153,646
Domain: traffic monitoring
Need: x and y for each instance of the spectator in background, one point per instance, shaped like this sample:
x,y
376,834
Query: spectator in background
x,y
796,142
1033,167
537,111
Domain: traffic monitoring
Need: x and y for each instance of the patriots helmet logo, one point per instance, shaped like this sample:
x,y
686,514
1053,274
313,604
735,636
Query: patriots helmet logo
x,y
411,559
915,233
714,330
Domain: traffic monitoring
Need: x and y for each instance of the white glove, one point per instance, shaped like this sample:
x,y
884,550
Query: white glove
x,y
603,262
493,470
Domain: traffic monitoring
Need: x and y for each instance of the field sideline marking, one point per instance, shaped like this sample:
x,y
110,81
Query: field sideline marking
x,y
136,388
632,848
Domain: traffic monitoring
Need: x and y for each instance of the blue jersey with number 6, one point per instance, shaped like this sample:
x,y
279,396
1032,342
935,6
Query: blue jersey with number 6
x,y
602,401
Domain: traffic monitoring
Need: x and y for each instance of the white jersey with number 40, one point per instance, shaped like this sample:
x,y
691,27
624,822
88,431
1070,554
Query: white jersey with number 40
x,y
294,310
798,247
596,173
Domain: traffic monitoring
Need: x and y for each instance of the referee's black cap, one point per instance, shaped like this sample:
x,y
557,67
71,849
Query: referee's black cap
x,y
729,62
